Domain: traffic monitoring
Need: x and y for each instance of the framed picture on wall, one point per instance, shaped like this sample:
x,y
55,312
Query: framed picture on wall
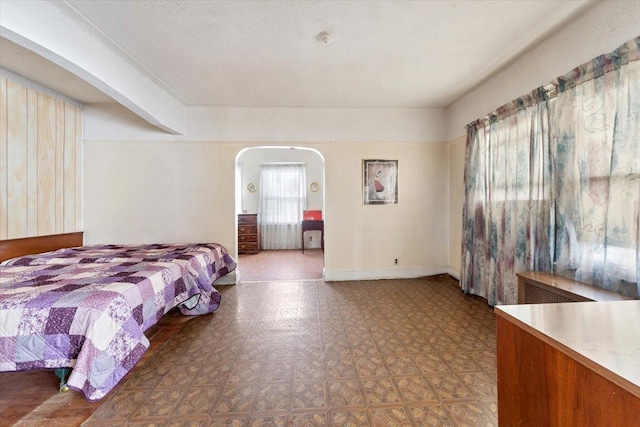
x,y
380,182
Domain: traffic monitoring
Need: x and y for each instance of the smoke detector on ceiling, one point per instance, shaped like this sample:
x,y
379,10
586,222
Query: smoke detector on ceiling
x,y
325,37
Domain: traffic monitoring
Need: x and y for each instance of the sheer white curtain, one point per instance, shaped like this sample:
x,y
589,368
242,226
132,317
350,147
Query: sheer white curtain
x,y
283,197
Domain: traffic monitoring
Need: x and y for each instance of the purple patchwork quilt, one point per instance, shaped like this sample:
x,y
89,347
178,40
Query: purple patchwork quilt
x,y
91,314
202,262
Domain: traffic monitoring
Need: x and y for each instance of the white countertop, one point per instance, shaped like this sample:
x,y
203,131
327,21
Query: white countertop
x,y
604,336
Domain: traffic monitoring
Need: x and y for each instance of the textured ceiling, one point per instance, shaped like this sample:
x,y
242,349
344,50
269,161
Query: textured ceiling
x,y
265,53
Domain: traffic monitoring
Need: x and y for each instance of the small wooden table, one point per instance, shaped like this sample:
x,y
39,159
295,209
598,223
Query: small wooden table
x,y
311,225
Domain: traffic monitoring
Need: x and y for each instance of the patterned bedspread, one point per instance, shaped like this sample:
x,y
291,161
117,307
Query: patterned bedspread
x,y
203,262
87,308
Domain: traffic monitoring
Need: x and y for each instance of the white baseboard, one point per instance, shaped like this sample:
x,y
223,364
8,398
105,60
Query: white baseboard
x,y
347,275
454,272
390,273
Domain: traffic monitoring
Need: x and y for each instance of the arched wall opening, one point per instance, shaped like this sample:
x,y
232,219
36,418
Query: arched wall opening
x,y
247,178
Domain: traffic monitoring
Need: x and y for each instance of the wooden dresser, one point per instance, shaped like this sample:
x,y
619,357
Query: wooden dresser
x,y
248,236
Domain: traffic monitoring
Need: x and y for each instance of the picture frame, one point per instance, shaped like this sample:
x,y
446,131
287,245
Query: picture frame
x,y
380,182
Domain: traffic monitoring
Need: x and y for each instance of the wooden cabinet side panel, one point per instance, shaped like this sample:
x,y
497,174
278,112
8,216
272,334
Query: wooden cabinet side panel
x,y
539,385
521,388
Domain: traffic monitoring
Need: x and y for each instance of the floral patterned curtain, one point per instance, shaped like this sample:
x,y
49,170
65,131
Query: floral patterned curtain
x,y
508,208
555,185
596,150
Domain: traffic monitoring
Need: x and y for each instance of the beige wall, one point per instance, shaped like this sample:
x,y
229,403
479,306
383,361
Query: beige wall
x,y
154,191
366,238
456,198
40,163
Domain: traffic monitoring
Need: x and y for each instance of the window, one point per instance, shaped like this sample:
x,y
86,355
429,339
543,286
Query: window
x,y
283,197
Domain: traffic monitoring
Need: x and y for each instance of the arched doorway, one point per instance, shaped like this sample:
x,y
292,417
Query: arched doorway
x,y
254,263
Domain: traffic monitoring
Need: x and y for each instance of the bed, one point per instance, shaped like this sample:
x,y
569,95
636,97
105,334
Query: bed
x,y
87,307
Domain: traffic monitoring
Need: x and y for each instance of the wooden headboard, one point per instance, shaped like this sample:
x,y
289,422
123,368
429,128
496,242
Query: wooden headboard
x,y
12,248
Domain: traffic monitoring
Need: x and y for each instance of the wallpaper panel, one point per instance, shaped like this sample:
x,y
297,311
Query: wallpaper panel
x,y
40,163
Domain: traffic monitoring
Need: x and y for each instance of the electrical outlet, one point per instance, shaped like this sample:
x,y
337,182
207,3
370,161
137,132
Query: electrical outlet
x,y
395,261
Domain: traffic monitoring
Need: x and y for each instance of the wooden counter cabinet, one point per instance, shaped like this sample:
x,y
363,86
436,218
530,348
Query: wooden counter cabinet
x,y
569,364
248,234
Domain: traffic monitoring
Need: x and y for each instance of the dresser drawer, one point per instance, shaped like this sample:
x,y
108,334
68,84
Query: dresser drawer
x,y
248,219
247,229
245,238
248,247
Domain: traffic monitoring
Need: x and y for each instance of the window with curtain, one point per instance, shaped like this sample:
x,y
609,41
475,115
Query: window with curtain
x,y
283,197
596,142
555,186
507,208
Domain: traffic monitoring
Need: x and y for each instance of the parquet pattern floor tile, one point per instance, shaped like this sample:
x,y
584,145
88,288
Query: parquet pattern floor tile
x,y
411,352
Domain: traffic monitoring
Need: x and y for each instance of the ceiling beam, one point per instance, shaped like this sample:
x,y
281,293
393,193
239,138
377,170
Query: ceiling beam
x,y
58,33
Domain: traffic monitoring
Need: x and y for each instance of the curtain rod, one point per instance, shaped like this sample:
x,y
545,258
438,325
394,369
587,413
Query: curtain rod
x,y
552,89
595,68
552,92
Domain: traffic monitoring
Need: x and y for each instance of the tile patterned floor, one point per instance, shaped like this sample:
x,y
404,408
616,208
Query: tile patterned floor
x,y
414,352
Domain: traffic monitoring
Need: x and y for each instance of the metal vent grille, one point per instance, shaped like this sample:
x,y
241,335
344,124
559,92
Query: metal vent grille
x,y
536,295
